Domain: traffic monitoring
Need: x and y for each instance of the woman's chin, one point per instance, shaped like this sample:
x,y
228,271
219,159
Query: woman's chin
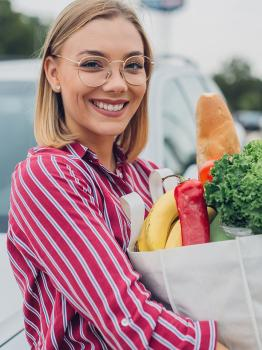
x,y
107,129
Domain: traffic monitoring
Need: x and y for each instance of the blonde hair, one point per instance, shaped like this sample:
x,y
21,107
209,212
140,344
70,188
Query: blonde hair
x,y
50,128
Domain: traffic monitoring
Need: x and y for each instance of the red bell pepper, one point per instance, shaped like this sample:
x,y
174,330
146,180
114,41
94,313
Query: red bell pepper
x,y
192,209
204,173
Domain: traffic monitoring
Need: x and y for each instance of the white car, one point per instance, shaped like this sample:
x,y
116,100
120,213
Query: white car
x,y
17,90
175,87
12,336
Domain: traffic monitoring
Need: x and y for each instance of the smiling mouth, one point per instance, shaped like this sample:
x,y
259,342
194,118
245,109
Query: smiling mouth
x,y
109,107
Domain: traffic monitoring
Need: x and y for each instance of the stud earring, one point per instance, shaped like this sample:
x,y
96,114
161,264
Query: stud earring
x,y
58,87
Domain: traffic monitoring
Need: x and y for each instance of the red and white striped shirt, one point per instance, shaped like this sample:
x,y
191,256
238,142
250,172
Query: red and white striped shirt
x,y
67,242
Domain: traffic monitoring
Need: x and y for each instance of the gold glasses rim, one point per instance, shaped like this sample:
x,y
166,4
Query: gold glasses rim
x,y
122,72
104,58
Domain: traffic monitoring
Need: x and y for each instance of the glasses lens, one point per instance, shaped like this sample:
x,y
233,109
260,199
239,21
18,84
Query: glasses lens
x,y
136,70
93,70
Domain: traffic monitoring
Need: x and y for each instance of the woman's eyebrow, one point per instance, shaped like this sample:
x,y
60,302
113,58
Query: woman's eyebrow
x,y
133,53
92,52
102,54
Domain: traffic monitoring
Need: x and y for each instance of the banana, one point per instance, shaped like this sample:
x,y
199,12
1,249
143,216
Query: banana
x,y
175,236
211,214
156,226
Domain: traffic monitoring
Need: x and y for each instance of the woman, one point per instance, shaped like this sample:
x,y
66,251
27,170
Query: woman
x,y
68,234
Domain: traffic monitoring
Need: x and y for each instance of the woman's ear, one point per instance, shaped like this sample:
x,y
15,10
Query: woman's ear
x,y
51,72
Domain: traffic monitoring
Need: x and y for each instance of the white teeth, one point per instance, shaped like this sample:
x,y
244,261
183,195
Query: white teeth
x,y
108,107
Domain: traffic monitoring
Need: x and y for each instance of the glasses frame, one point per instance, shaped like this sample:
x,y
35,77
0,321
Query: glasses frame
x,y
109,73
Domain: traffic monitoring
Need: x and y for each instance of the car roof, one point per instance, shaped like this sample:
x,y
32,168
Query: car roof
x,y
19,70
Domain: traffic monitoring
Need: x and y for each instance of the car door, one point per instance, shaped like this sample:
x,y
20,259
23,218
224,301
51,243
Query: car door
x,y
16,134
173,94
12,335
16,137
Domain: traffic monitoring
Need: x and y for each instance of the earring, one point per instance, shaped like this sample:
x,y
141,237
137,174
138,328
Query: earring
x,y
58,87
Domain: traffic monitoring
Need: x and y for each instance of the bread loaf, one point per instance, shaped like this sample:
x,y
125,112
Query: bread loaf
x,y
215,129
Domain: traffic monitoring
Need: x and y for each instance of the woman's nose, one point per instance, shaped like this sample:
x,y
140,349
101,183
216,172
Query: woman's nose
x,y
115,81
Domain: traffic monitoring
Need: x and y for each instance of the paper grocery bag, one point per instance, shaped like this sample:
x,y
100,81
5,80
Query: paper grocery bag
x,y
220,281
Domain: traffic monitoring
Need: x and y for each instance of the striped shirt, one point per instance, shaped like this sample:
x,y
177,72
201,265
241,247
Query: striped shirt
x,y
67,242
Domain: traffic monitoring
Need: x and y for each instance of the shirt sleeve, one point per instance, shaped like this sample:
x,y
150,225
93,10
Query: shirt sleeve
x,y
66,230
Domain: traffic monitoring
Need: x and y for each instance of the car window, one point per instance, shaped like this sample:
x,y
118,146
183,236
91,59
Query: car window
x,y
16,134
192,86
180,99
179,129
211,86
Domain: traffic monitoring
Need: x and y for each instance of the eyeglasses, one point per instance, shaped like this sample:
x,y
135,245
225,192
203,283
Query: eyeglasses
x,y
94,71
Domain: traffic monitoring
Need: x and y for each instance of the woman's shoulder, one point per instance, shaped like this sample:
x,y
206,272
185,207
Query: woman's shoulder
x,y
146,165
49,161
46,155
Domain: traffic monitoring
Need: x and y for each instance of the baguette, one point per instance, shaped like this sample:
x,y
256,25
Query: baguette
x,y
215,130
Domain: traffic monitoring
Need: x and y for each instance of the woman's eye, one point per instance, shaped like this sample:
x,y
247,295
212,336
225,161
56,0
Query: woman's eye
x,y
134,66
92,65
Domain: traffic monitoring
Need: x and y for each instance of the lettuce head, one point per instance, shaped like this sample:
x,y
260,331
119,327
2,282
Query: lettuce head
x,y
236,189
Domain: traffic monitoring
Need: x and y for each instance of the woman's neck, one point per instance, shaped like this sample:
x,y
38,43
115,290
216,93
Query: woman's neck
x,y
104,152
107,160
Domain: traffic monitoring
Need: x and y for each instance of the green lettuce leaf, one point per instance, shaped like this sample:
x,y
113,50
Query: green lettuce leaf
x,y
236,189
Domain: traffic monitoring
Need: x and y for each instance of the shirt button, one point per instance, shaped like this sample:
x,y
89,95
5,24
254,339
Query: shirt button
x,y
125,322
119,173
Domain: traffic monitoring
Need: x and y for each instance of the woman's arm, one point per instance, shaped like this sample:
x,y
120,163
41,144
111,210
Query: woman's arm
x,y
66,230
220,347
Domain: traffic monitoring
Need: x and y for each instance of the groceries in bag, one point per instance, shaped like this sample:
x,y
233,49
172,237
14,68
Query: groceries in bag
x,y
215,130
236,188
179,217
193,213
157,225
215,133
169,224
218,281
216,136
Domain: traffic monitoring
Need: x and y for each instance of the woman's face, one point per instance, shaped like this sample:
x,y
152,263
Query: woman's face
x,y
88,110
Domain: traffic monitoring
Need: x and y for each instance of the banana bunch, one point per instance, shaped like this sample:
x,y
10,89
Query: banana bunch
x,y
158,223
161,229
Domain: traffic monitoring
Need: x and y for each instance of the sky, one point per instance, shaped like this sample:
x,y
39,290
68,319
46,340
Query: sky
x,y
210,32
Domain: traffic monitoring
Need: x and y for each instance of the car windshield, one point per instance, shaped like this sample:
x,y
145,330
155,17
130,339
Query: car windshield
x,y
16,134
179,128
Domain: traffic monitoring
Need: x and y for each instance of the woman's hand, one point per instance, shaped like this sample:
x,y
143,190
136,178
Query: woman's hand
x,y
220,347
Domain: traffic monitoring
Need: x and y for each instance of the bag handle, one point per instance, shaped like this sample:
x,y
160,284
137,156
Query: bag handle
x,y
160,180
134,208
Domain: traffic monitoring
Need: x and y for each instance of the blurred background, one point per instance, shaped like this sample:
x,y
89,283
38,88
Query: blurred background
x,y
199,46
222,36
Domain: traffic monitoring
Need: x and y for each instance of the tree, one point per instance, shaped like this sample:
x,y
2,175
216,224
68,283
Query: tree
x,y
20,35
241,89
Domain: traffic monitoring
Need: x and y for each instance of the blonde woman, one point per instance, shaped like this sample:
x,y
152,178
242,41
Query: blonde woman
x,y
68,235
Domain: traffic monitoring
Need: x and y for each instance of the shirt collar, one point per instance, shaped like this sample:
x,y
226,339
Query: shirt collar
x,y
77,149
